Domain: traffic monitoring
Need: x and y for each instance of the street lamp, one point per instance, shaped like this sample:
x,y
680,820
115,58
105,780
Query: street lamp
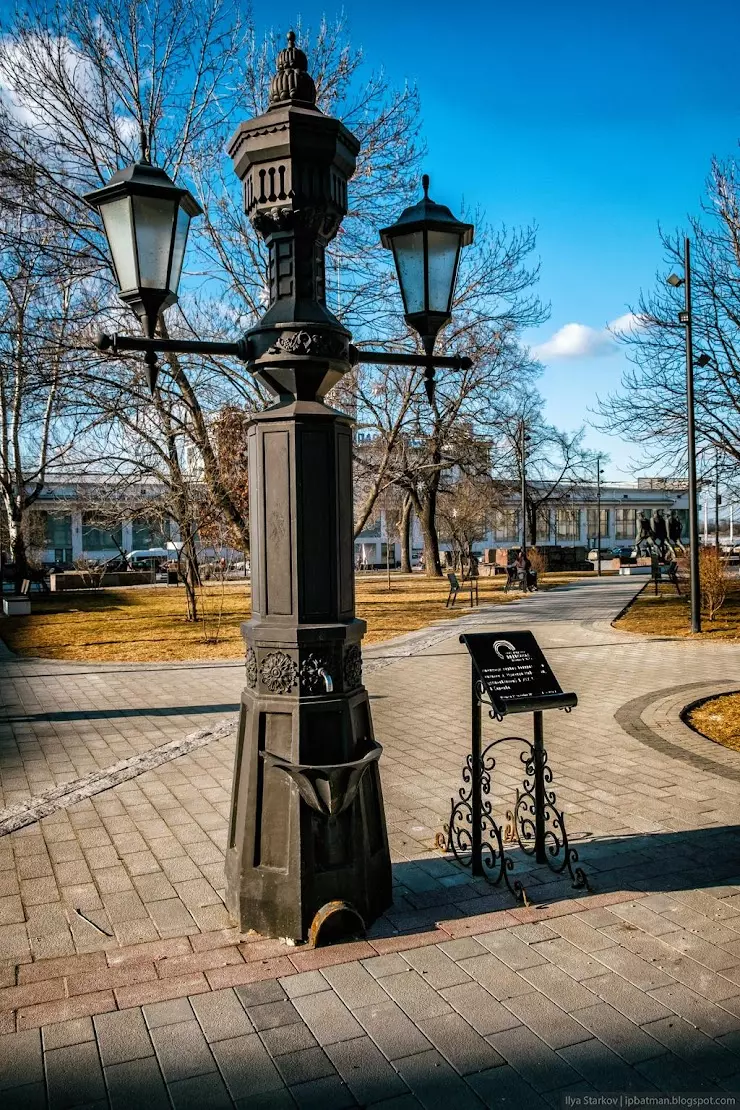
x,y
524,439
146,219
684,317
307,838
426,241
599,473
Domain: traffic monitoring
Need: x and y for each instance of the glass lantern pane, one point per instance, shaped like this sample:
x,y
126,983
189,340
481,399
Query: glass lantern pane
x,y
154,221
178,251
443,250
120,235
408,251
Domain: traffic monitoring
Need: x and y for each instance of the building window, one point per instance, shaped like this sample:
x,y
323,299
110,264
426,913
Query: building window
x,y
592,525
147,534
625,523
505,525
568,524
58,530
99,539
543,525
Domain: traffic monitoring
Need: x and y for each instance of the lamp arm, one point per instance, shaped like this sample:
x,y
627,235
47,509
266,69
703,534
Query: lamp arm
x,y
396,358
116,343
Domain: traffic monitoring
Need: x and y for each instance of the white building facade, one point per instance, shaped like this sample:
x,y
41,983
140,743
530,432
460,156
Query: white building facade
x,y
568,519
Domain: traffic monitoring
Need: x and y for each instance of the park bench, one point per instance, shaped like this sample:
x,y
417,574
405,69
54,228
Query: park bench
x,y
656,573
471,583
18,605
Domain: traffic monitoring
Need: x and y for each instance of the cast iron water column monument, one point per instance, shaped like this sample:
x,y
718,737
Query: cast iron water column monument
x,y
307,825
307,844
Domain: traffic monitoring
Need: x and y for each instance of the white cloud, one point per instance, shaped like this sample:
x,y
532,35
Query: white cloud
x,y
582,341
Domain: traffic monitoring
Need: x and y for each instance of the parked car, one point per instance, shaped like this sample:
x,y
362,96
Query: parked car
x,y
626,554
153,558
117,563
606,553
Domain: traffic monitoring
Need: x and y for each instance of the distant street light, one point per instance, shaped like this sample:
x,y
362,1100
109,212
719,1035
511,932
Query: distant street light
x,y
717,500
684,318
524,439
599,473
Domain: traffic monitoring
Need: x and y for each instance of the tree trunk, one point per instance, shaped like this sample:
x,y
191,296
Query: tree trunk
x,y
18,552
427,520
190,575
405,529
532,515
188,556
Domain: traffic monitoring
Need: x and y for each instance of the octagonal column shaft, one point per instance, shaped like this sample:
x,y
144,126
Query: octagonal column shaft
x,y
297,839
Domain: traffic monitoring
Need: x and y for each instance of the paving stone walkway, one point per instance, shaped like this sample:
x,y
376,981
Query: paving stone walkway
x,y
122,982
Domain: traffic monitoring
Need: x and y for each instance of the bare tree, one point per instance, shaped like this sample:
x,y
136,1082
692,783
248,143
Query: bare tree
x,y
464,512
419,439
650,407
556,462
40,416
81,82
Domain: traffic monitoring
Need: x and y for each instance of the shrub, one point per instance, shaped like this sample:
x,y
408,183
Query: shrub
x,y
538,559
713,580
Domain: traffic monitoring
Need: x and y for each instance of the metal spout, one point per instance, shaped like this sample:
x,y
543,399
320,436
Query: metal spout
x,y
328,680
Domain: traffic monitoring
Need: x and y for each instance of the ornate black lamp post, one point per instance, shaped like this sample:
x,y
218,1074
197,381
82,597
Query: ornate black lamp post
x,y
307,829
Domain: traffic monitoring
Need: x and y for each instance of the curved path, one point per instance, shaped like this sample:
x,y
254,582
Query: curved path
x,y
116,944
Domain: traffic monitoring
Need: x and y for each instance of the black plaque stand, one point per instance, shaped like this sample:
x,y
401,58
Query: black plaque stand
x,y
473,835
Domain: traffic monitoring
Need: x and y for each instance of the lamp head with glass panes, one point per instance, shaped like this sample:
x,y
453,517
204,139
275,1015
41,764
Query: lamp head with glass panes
x,y
426,241
146,218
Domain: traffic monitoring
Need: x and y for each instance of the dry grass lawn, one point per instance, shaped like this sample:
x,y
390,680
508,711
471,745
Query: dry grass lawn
x,y
719,720
139,625
668,614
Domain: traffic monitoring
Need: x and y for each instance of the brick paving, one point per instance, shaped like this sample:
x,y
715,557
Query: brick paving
x,y
121,980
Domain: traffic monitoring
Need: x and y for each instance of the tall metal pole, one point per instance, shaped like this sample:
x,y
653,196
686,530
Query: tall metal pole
x,y
691,436
387,538
523,456
716,501
598,515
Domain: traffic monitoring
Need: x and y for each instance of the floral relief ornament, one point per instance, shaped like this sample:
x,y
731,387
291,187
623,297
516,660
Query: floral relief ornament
x,y
352,667
251,668
278,672
312,682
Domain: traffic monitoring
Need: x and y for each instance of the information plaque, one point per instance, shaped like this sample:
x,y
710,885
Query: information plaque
x,y
516,676
509,674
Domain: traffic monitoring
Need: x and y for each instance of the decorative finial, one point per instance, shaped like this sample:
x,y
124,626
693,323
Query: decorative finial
x,y
425,185
292,84
144,142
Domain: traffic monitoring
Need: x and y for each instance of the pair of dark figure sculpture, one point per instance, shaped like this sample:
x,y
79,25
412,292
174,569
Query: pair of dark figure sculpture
x,y
665,535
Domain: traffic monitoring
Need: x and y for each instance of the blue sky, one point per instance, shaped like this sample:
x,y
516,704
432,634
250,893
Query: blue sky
x,y
596,121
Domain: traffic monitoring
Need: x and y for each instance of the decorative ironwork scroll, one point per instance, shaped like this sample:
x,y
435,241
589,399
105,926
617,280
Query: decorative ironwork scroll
x,y
522,822
496,865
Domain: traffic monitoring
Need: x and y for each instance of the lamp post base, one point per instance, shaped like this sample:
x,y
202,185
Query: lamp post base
x,y
303,835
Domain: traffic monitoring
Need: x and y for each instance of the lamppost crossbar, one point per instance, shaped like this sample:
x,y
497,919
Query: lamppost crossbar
x,y
241,349
400,358
117,344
